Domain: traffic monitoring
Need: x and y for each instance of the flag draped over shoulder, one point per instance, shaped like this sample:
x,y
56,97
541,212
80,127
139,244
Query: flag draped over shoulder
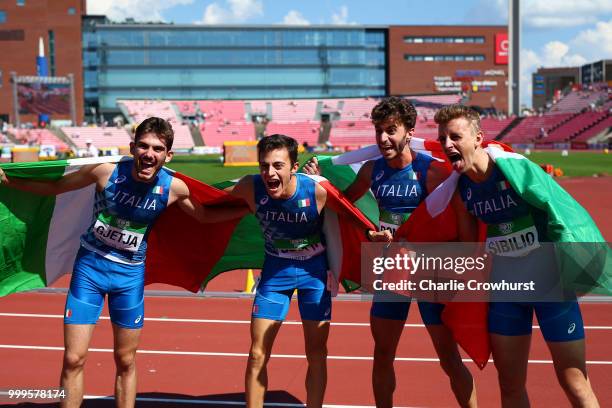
x,y
189,255
39,235
583,256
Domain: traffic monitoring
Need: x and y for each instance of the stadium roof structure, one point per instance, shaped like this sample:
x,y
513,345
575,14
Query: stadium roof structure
x,y
154,25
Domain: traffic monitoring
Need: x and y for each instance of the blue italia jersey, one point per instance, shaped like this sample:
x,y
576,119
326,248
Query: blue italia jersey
x,y
124,213
292,228
514,228
399,191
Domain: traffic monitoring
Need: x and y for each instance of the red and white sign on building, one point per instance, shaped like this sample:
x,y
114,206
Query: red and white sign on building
x,y
502,47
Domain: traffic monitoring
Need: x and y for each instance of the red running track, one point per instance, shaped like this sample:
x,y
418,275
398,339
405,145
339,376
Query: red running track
x,y
204,360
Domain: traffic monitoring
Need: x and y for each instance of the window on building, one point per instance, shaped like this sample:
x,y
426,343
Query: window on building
x,y
442,39
2,16
21,2
444,57
71,11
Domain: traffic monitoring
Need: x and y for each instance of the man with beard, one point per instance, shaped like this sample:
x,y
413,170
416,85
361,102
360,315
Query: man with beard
x,y
130,196
489,197
400,180
289,208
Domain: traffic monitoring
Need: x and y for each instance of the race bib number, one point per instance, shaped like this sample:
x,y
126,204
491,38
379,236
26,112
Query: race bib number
x,y
299,249
391,221
119,233
512,239
301,254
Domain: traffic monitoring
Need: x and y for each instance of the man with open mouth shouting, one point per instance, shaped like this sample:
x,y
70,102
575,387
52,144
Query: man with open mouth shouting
x,y
400,180
130,196
515,231
288,206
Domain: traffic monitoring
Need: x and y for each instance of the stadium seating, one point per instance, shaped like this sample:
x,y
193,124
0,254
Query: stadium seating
x,y
530,128
141,110
352,133
298,110
182,137
576,101
605,122
223,110
216,132
38,137
491,127
226,120
186,108
356,109
259,107
576,125
307,131
101,136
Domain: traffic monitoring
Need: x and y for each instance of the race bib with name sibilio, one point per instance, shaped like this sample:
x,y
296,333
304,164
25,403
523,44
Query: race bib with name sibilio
x,y
513,239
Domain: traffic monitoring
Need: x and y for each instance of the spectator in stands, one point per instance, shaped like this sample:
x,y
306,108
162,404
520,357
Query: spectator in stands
x,y
92,151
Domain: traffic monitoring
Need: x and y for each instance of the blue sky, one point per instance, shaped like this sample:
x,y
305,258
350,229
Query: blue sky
x,y
554,33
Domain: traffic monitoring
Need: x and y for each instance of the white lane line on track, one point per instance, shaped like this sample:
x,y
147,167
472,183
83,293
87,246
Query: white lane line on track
x,y
287,356
199,401
219,321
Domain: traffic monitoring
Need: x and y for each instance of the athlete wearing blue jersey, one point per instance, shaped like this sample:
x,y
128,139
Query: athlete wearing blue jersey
x,y
515,230
400,180
289,208
130,196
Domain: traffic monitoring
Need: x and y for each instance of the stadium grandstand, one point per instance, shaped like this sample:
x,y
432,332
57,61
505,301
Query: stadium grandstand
x,y
582,117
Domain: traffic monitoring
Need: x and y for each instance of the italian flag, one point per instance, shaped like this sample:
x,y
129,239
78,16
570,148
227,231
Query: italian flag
x,y
583,255
40,235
